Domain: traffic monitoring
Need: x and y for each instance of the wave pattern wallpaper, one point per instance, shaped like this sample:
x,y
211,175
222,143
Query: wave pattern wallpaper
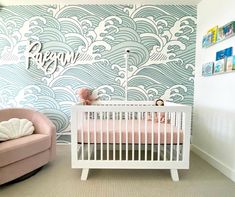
x,y
161,39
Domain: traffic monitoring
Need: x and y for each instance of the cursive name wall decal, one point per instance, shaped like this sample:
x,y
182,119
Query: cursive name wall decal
x,y
49,60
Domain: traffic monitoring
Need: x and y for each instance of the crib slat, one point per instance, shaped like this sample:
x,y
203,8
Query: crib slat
x,y
139,144
133,136
145,137
171,148
107,134
165,136
120,135
101,136
178,133
126,117
183,129
152,137
95,123
88,134
159,136
114,142
82,125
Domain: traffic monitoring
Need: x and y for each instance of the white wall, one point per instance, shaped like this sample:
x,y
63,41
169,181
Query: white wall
x,y
41,2
214,97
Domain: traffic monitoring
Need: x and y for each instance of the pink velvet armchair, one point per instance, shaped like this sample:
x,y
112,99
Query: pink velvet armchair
x,y
23,155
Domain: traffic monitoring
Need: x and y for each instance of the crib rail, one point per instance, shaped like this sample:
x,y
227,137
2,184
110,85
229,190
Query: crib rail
x,y
130,135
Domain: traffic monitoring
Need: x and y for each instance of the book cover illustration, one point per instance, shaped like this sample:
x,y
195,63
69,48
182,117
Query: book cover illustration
x,y
229,64
224,53
207,69
213,32
220,34
219,66
207,40
233,63
229,29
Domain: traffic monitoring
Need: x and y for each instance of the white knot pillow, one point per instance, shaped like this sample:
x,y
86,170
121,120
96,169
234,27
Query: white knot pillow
x,y
15,128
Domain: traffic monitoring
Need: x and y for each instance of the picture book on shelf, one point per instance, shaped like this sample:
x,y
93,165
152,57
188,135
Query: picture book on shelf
x,y
219,66
233,63
213,32
207,40
230,64
229,29
207,69
220,34
224,53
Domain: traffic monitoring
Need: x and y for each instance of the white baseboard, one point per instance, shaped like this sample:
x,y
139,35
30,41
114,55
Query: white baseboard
x,y
227,171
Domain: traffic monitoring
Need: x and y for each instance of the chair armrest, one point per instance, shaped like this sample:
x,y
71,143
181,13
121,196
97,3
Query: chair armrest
x,y
43,125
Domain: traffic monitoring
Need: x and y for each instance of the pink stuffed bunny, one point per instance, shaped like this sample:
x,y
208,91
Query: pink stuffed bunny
x,y
85,96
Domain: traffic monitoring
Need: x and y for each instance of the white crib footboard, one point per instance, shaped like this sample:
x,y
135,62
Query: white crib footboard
x,y
136,135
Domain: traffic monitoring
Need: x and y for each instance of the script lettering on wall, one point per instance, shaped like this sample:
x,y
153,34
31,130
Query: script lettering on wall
x,y
48,61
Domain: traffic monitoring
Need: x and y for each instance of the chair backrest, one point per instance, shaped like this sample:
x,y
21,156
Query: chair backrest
x,y
6,114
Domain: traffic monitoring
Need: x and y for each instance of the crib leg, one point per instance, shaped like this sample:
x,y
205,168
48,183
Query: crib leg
x,y
84,175
174,175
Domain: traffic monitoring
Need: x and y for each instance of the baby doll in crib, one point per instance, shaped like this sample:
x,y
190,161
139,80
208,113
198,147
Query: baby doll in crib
x,y
85,96
158,102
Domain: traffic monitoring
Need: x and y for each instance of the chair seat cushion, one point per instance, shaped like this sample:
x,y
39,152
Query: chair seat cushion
x,y
21,148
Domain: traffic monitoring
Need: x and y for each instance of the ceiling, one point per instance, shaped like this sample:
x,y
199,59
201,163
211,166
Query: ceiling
x,y
44,2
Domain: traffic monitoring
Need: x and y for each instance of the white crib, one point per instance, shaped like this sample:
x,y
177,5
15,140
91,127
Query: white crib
x,y
130,135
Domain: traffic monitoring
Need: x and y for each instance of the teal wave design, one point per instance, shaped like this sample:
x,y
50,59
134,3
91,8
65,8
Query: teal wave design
x,y
161,64
70,25
72,11
125,34
58,117
138,56
103,11
51,34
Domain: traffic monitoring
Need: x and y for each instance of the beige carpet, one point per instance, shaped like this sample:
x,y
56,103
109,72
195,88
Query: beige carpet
x,y
59,180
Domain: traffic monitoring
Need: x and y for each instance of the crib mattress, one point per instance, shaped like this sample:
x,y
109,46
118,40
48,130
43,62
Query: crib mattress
x,y
111,131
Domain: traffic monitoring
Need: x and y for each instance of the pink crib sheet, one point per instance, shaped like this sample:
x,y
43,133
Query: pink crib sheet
x,y
110,127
